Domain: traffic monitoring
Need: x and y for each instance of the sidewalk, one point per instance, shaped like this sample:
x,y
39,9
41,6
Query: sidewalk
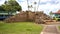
x,y
50,29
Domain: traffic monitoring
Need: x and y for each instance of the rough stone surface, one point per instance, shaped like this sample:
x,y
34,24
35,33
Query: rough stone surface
x,y
37,17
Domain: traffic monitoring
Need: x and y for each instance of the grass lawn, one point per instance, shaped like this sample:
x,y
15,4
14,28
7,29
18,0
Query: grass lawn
x,y
59,27
20,28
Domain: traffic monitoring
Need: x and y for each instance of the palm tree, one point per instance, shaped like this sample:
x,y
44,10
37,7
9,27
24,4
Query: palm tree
x,y
38,5
27,4
51,14
5,2
31,7
35,6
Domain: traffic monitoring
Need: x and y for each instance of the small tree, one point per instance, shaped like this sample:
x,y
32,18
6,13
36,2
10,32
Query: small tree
x,y
51,14
1,8
11,5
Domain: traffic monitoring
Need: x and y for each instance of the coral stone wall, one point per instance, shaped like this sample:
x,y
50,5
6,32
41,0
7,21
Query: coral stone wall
x,y
37,17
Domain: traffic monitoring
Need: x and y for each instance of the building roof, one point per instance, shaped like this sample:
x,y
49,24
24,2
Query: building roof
x,y
58,12
6,13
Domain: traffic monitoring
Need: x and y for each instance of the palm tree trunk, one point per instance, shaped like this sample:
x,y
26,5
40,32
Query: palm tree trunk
x,y
38,5
35,6
27,4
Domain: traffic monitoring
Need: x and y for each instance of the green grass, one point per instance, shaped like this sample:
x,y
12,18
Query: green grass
x,y
59,27
20,28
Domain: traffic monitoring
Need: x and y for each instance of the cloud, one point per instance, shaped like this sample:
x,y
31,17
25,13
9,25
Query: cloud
x,y
45,5
49,7
49,1
20,0
23,4
54,2
2,1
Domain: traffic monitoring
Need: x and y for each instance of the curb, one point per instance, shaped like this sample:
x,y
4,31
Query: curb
x,y
58,30
43,29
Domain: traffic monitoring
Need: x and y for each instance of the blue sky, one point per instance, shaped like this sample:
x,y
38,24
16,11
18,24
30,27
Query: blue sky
x,y
44,5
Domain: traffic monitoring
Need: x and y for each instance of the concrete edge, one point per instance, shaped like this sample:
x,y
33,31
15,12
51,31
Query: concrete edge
x,y
41,33
43,29
58,30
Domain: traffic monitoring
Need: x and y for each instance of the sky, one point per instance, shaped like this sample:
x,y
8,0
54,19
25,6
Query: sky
x,y
44,5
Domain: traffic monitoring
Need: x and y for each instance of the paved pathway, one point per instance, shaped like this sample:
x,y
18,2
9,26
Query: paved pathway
x,y
50,29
